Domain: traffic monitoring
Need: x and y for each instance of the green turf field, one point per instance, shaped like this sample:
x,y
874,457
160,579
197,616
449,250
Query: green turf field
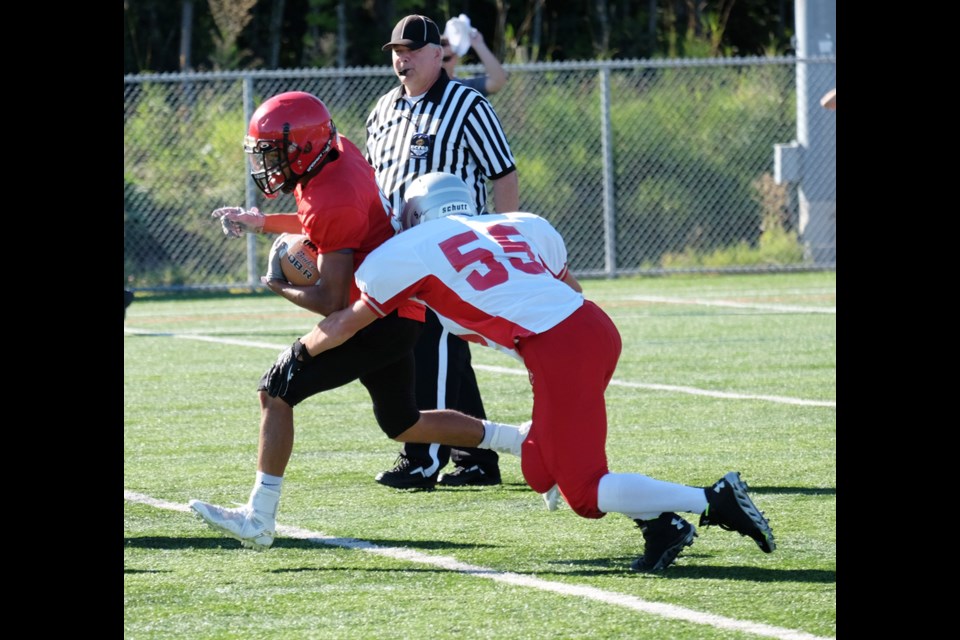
x,y
718,373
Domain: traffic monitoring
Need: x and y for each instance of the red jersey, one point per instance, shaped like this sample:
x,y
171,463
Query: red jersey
x,y
341,208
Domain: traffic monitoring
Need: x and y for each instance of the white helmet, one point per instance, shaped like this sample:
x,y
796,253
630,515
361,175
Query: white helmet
x,y
433,196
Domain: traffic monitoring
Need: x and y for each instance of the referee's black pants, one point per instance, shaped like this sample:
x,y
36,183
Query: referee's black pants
x,y
445,380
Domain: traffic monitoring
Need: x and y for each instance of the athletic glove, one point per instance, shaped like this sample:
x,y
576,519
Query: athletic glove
x,y
236,220
288,364
277,253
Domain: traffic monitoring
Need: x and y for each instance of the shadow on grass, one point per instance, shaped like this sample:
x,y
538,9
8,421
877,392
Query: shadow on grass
x,y
428,545
136,571
505,486
799,491
751,574
171,542
583,568
614,566
739,574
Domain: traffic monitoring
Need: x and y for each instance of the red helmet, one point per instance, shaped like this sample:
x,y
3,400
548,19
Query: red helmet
x,y
289,136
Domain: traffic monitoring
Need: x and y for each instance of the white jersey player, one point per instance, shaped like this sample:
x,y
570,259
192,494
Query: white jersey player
x,y
464,263
502,281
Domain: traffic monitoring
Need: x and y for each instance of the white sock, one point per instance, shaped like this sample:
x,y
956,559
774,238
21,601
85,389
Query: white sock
x,y
640,497
504,438
265,497
267,480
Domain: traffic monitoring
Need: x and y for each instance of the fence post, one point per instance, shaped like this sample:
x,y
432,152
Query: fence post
x,y
816,23
251,189
609,201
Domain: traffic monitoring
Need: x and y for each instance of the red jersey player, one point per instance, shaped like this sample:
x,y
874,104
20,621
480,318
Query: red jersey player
x,y
294,147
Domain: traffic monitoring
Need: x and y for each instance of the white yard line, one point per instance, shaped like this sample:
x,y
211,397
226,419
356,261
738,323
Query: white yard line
x,y
704,302
452,564
678,389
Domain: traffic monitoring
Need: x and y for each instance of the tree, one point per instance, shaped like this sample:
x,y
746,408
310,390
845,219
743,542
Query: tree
x,y
186,36
231,34
230,17
276,26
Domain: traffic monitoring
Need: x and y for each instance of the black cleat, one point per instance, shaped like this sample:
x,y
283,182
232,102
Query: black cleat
x,y
408,475
469,477
664,538
729,507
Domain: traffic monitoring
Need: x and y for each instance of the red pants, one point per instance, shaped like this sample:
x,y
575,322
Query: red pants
x,y
570,367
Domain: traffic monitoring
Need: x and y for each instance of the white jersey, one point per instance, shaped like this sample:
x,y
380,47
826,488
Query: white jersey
x,y
491,279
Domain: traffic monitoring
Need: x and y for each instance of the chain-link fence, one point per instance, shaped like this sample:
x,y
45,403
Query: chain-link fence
x,y
643,166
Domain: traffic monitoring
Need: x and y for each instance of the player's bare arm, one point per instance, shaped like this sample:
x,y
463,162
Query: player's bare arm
x,y
281,223
572,282
237,221
331,292
506,193
338,327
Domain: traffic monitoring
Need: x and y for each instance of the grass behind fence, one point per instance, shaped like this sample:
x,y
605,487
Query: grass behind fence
x,y
718,373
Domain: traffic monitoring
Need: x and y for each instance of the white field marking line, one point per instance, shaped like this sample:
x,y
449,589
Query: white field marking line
x,y
719,294
291,328
691,390
452,564
789,308
277,309
523,372
205,338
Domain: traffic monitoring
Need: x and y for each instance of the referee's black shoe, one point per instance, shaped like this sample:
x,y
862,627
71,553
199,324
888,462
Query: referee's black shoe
x,y
409,474
469,477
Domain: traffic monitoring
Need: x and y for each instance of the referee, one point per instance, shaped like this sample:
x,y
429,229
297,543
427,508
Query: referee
x,y
430,123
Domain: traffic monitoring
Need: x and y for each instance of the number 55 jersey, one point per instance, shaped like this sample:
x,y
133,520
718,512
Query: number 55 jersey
x,y
492,279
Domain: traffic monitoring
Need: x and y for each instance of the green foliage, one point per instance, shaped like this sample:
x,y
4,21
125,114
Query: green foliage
x,y
230,17
181,147
184,131
682,188
319,39
309,30
776,246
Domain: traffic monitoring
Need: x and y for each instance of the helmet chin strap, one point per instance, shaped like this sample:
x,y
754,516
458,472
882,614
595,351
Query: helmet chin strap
x,y
324,154
328,155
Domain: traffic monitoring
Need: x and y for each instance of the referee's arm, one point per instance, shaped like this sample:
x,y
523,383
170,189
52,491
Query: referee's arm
x,y
506,193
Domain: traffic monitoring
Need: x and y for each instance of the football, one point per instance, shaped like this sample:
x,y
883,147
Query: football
x,y
299,262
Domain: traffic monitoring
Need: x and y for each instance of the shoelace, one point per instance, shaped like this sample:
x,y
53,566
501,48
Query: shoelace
x,y
401,463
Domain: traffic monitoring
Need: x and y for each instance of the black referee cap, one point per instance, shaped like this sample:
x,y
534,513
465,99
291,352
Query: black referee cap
x,y
414,32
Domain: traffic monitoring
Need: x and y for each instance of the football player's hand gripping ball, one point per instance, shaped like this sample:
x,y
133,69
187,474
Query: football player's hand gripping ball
x,y
277,253
288,364
236,220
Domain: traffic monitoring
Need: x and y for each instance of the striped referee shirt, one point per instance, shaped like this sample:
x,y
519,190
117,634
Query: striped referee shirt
x,y
453,129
